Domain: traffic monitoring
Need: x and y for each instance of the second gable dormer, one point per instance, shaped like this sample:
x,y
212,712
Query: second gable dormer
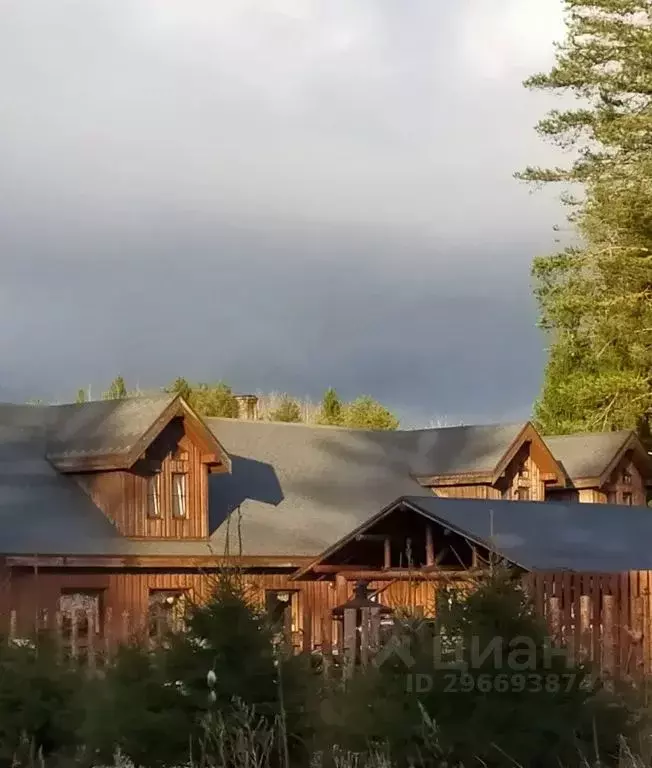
x,y
494,462
144,461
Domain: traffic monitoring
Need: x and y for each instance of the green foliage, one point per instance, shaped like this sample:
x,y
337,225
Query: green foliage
x,y
596,298
212,400
367,413
288,411
117,390
180,386
40,703
81,396
231,637
331,408
137,710
486,709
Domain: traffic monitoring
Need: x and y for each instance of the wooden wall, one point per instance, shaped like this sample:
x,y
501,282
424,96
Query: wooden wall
x,y
123,495
125,595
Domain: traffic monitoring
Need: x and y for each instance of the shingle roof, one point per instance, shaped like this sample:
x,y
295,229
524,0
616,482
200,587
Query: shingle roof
x,y
299,488
552,536
587,455
101,428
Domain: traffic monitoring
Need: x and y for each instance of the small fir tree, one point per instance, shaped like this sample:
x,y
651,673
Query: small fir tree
x,y
331,408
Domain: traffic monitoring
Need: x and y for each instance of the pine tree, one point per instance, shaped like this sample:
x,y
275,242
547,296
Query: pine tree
x,y
180,386
331,408
81,396
596,297
117,390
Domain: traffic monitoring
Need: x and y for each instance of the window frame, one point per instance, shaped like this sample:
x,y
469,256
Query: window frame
x,y
154,498
179,501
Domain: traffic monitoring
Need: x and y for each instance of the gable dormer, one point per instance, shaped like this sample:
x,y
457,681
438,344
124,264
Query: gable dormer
x,y
494,462
144,461
604,467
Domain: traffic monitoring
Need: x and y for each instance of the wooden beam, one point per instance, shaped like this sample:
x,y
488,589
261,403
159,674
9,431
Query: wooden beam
x,y
370,537
405,573
154,561
335,568
388,552
430,549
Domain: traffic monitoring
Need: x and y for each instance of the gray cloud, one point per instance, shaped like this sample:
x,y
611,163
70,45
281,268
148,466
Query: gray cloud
x,y
284,194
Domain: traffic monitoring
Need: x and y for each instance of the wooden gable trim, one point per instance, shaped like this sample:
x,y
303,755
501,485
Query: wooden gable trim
x,y
215,453
360,530
551,470
640,457
548,465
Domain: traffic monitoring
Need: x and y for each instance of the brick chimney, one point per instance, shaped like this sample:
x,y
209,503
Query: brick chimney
x,y
247,407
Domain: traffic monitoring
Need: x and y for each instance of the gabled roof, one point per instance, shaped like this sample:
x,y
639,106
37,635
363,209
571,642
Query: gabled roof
x,y
534,535
480,454
590,458
112,434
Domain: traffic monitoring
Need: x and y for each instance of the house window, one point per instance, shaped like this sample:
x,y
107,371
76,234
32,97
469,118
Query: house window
x,y
154,495
80,614
627,478
167,608
179,495
627,499
522,494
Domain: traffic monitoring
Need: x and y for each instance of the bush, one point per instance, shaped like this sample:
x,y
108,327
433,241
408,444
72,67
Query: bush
x,y
367,413
40,702
488,713
287,411
138,711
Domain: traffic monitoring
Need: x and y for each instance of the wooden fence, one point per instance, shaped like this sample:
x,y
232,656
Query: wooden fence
x,y
604,618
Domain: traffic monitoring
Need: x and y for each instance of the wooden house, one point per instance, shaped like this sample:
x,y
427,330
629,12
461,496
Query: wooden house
x,y
130,507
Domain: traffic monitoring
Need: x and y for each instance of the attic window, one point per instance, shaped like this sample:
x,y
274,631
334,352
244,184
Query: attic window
x,y
154,496
179,495
627,478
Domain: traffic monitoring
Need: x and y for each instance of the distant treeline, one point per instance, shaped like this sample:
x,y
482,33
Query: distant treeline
x,y
219,400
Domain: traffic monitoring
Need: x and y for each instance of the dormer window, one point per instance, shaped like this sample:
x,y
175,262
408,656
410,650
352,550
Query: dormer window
x,y
179,495
154,496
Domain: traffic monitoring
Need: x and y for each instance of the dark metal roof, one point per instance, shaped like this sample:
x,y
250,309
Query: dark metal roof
x,y
551,536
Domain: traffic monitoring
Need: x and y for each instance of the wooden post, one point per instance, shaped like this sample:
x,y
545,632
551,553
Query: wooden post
x,y
608,634
364,636
374,629
388,552
554,620
73,632
585,627
108,631
307,639
12,625
58,621
92,627
350,641
430,548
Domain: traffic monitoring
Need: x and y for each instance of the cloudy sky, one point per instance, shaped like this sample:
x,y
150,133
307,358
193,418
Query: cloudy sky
x,y
285,194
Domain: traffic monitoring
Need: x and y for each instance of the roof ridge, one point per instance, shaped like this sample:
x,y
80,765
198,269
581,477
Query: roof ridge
x,y
591,434
340,428
130,398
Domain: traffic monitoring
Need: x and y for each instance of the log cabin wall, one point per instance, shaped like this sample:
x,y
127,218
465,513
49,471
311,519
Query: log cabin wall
x,y
124,596
150,500
626,485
